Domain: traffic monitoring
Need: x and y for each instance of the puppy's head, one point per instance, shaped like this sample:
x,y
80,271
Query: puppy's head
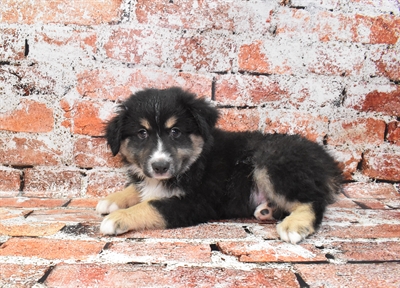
x,y
161,133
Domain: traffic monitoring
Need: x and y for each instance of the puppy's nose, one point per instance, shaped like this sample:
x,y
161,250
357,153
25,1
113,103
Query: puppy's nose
x,y
160,167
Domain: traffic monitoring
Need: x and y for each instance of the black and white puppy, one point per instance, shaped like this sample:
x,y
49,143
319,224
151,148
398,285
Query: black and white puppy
x,y
184,171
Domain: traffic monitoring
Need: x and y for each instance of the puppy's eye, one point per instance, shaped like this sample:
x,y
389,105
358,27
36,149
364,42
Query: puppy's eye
x,y
142,134
175,133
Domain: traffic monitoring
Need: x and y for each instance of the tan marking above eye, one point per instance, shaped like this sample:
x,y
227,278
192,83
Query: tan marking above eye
x,y
145,123
170,122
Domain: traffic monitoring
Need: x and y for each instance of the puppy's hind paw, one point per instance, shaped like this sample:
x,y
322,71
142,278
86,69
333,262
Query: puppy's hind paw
x,y
290,236
106,207
265,211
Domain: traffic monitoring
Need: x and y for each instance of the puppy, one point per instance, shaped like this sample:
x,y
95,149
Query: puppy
x,y
184,171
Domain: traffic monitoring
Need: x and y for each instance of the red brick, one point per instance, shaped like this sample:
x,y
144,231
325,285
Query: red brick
x,y
21,275
17,151
349,159
360,231
30,116
387,62
7,213
31,229
187,15
203,231
45,182
313,127
19,202
384,29
10,180
371,204
207,52
343,202
332,59
83,203
393,132
136,46
364,217
64,215
241,90
63,12
350,275
370,190
94,152
233,119
87,117
35,79
160,252
12,46
88,275
271,251
52,249
254,58
118,84
381,165
328,26
68,39
385,102
355,132
102,183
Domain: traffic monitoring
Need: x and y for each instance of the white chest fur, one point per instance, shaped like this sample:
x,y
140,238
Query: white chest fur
x,y
154,189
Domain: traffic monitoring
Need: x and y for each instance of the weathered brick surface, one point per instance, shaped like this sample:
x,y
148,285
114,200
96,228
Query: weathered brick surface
x,y
17,275
31,229
94,152
51,249
271,252
160,252
238,119
371,190
10,180
122,275
393,132
118,84
360,275
12,46
30,116
386,102
356,132
102,183
32,202
47,182
382,165
83,13
17,151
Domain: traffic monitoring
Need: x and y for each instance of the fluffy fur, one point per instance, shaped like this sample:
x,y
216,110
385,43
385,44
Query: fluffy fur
x,y
184,171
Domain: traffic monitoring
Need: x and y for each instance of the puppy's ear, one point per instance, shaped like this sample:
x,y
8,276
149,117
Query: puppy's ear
x,y
206,116
113,134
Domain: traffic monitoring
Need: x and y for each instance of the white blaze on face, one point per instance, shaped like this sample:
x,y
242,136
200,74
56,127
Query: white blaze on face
x,y
160,155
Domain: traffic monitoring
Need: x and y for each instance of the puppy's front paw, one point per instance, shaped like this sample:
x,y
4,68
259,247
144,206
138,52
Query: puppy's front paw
x,y
119,200
294,230
113,224
138,217
106,207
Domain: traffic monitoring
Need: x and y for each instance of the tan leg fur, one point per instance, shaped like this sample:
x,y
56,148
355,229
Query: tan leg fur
x,y
119,200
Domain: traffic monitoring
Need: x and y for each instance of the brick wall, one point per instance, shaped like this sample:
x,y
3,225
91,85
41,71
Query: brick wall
x,y
329,70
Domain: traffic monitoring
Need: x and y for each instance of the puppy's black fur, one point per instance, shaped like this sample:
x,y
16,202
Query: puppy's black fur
x,y
191,172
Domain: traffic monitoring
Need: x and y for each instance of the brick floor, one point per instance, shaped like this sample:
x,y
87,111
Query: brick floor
x,y
56,243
